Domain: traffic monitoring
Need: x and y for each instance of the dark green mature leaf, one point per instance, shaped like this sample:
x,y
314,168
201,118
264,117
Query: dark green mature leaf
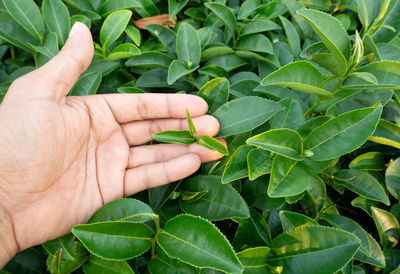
x,y
255,42
56,18
317,249
292,220
220,202
153,59
301,75
226,15
363,184
254,259
97,265
244,114
292,117
368,161
127,210
175,6
387,74
287,178
176,70
199,243
164,264
369,251
259,25
28,16
387,225
124,51
292,36
285,142
215,93
236,168
188,45
115,240
332,34
259,163
108,6
113,27
87,84
174,136
342,134
166,36
213,144
392,178
387,133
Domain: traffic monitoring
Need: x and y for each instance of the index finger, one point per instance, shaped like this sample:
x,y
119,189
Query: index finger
x,y
133,107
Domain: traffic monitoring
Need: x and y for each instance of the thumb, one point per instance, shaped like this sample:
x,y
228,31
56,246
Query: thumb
x,y
55,79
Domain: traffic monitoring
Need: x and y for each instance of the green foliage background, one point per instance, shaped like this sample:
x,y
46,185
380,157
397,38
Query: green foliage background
x,y
307,94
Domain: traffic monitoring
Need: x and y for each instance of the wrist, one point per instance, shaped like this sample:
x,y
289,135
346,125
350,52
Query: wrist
x,y
8,243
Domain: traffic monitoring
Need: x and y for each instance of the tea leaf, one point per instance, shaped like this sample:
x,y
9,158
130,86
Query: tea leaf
x,y
212,144
259,163
292,220
87,84
199,243
124,51
113,27
226,15
115,240
253,259
215,93
97,265
392,178
56,17
174,136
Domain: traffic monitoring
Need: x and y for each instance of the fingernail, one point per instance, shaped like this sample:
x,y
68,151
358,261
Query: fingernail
x,y
75,29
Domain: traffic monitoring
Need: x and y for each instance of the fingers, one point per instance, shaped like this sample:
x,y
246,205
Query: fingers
x,y
145,155
153,175
55,79
141,132
131,107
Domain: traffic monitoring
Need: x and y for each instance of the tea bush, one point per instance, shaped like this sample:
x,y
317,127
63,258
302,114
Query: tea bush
x,y
307,95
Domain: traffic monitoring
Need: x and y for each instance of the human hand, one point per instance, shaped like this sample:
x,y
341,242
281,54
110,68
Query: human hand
x,y
62,158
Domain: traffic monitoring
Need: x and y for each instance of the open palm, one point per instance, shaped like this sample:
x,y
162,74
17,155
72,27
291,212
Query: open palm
x,y
62,158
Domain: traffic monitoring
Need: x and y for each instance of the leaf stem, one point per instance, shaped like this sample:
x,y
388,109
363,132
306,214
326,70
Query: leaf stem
x,y
156,220
311,109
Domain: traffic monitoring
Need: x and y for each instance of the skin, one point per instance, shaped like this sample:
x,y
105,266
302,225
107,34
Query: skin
x,y
62,158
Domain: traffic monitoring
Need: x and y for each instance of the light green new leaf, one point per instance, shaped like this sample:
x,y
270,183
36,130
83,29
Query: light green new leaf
x,y
188,45
363,184
284,141
254,260
152,59
301,75
174,136
87,84
321,55
177,69
255,42
225,14
292,220
387,225
220,201
215,93
387,74
109,6
56,18
369,250
244,114
192,128
127,210
175,6
392,178
287,178
332,34
164,264
199,243
259,163
124,51
115,240
236,168
134,34
368,161
292,36
213,144
28,16
313,249
113,27
97,265
367,11
366,76
342,134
